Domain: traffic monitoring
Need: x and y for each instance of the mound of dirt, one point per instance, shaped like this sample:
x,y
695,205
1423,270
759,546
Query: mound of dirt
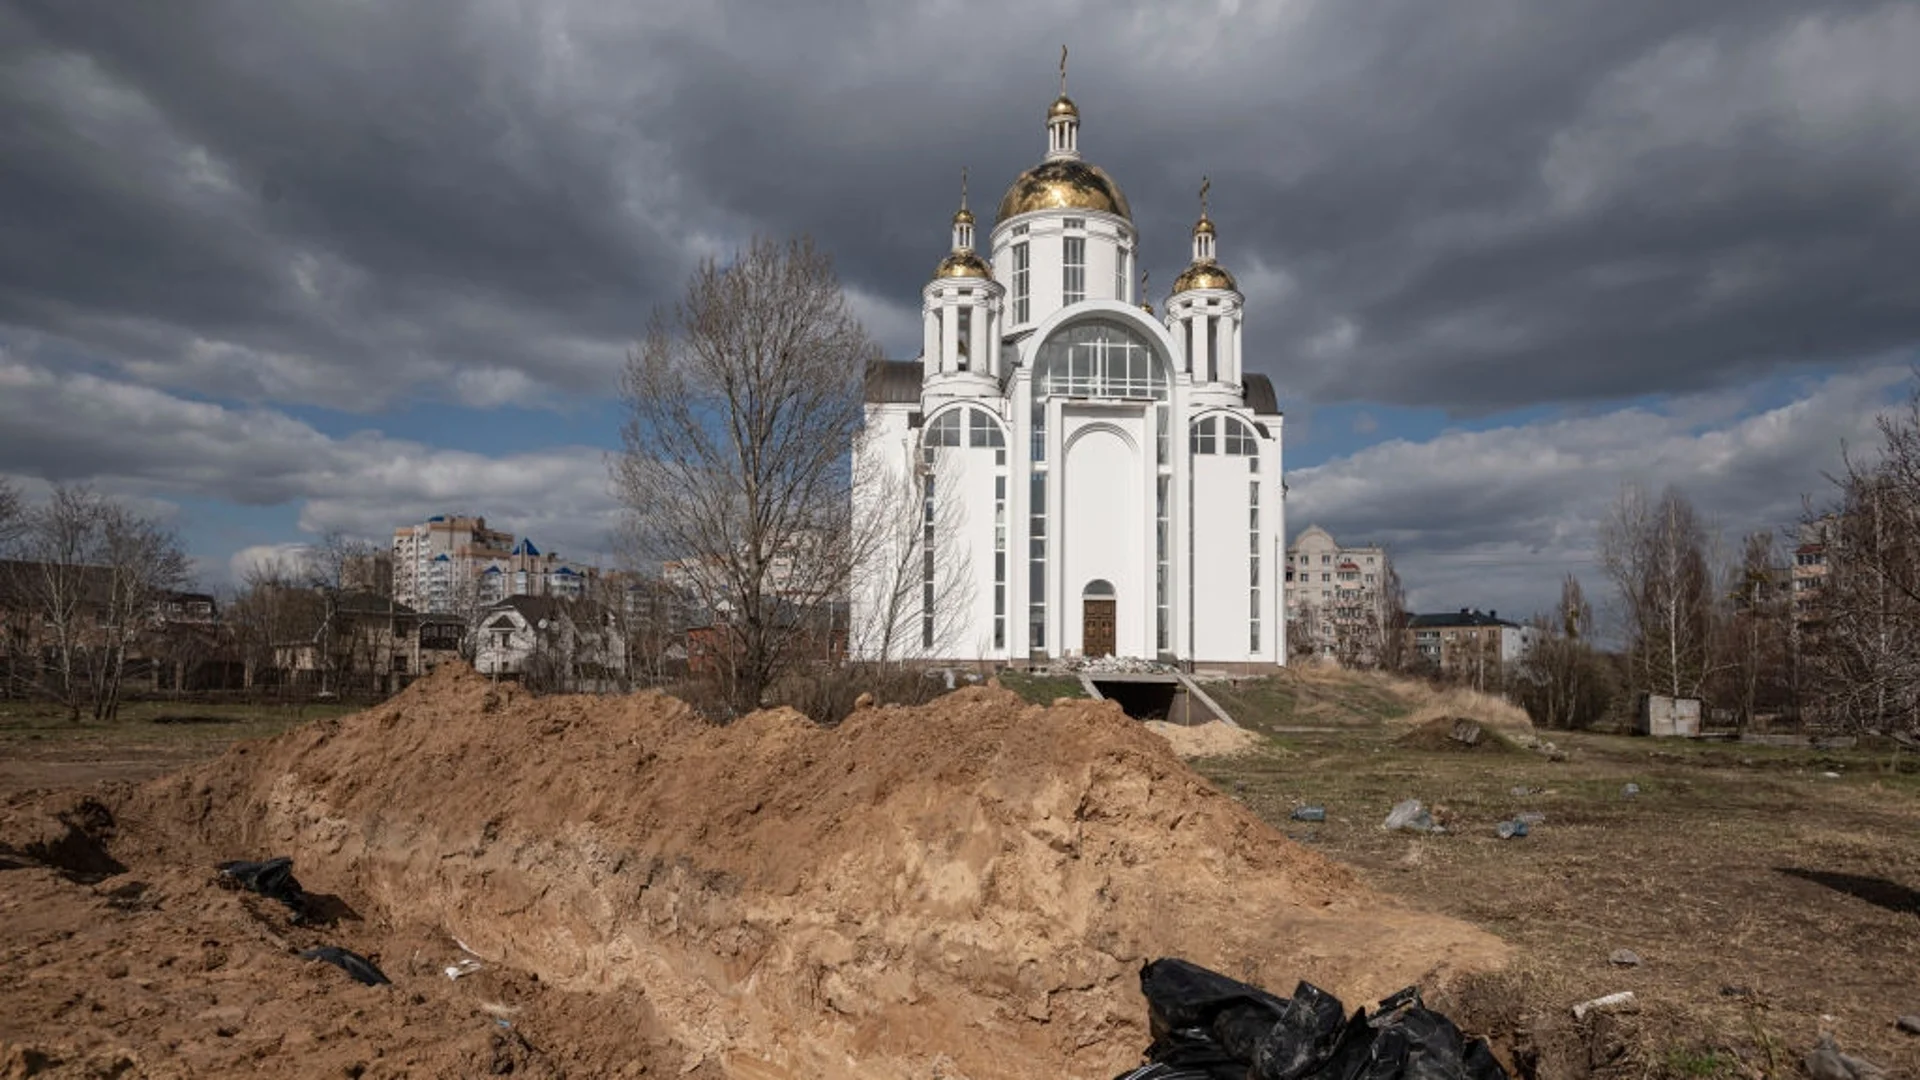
x,y
1456,733
966,888
1211,739
1488,710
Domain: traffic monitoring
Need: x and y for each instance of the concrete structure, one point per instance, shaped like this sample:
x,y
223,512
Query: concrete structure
x,y
1334,596
1062,472
1810,569
1668,717
1468,644
449,563
431,559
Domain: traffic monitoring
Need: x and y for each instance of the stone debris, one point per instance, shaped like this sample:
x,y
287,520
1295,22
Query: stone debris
x,y
1624,958
1608,1003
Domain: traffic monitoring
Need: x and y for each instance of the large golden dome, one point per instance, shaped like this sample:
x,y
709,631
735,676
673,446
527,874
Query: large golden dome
x,y
963,264
1064,184
1204,275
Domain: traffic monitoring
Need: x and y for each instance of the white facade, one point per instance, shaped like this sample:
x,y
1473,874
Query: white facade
x,y
1061,472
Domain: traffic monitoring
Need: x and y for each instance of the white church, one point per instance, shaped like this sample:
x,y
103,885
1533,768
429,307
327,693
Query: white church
x,y
1063,472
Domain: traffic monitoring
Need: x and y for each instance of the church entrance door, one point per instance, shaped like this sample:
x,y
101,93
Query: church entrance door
x,y
1096,628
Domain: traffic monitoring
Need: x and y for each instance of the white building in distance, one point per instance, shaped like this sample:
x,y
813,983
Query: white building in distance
x,y
1062,472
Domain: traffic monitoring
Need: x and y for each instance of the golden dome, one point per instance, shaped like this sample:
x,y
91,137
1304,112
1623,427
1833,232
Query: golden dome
x,y
1062,106
1204,275
1064,184
963,264
1203,227
963,216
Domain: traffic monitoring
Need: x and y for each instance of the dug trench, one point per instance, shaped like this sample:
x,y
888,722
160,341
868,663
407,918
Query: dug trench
x,y
964,888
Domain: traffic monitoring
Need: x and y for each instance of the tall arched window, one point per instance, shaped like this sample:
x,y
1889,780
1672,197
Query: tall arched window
x,y
1099,358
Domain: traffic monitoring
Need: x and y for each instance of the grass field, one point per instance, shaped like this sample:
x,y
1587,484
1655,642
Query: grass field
x,y
1769,893
41,747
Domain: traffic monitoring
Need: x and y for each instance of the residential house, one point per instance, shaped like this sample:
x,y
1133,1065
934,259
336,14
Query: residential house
x,y
557,644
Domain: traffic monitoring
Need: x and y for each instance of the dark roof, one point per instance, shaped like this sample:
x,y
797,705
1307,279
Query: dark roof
x,y
1459,618
894,382
1257,390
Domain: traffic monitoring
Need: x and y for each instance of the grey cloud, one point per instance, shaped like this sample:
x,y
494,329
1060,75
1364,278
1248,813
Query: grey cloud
x,y
1475,206
1494,518
79,428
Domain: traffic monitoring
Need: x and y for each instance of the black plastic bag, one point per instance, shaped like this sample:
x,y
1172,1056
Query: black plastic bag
x,y
352,963
1207,1026
273,879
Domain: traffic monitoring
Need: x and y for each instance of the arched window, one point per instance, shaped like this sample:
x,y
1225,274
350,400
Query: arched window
x,y
1223,435
1098,589
982,430
945,429
1099,358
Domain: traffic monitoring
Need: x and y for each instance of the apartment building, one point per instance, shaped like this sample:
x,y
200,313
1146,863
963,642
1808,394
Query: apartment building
x,y
1334,596
433,559
454,563
1478,646
1810,568
525,570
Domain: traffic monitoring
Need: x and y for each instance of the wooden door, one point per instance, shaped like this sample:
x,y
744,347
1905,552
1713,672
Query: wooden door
x,y
1096,628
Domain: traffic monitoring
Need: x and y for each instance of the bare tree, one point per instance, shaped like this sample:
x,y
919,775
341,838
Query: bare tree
x,y
94,573
1655,552
742,405
1755,632
1563,681
58,577
142,564
344,646
1390,612
1862,644
271,611
13,519
916,594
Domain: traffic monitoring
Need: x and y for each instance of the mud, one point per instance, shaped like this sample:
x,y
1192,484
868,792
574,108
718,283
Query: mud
x,y
965,888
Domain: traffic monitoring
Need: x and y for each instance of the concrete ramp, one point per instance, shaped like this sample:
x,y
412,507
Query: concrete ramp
x,y
1169,696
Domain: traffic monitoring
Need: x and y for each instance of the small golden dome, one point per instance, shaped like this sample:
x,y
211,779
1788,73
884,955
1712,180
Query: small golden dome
x,y
1204,275
1062,106
963,264
1203,227
1064,184
963,216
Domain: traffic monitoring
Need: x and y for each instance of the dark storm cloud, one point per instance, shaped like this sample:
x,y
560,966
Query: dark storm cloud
x,y
1471,205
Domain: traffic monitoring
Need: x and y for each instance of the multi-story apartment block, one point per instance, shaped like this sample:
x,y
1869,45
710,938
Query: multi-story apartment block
x,y
1473,645
1334,597
1810,568
527,571
433,560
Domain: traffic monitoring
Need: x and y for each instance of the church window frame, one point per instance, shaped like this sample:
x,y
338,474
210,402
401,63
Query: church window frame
x,y
1100,358
1073,269
1237,439
1022,277
1204,438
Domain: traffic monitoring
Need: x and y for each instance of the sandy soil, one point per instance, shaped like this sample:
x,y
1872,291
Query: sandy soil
x,y
961,889
1211,739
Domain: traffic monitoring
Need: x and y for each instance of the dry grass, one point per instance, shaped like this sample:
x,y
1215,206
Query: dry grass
x,y
1427,702
1766,899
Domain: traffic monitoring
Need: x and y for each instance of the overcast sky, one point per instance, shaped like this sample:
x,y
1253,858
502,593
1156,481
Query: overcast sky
x,y
279,268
